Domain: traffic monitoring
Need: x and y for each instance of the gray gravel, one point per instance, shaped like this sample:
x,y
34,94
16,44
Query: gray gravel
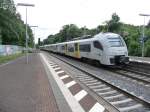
x,y
132,87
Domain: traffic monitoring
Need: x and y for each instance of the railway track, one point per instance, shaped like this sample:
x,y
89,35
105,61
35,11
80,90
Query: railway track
x,y
139,67
139,77
118,97
136,72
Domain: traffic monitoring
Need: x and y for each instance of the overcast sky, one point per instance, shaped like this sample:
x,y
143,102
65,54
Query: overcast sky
x,y
51,15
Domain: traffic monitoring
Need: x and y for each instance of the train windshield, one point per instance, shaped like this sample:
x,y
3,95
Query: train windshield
x,y
116,42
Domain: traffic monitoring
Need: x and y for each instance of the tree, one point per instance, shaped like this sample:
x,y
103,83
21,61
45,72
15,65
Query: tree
x,y
147,48
130,33
0,37
69,32
13,28
113,25
100,28
134,48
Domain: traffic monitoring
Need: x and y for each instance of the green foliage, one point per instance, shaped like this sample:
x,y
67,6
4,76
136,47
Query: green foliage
x,y
134,48
113,25
130,33
147,49
11,25
69,32
4,59
100,28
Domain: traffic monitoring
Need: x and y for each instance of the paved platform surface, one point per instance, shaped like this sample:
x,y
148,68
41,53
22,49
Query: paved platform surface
x,y
140,59
25,87
78,98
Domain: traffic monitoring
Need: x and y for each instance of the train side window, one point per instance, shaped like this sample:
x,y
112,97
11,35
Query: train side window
x,y
85,48
70,49
63,47
98,45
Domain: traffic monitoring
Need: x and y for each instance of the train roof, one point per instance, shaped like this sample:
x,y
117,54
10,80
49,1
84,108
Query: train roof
x,y
83,37
98,36
106,35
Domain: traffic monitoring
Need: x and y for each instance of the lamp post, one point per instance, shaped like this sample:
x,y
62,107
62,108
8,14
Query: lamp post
x,y
26,5
143,32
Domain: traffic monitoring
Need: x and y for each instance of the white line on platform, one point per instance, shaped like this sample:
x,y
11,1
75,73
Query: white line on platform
x,y
64,76
97,108
54,65
57,68
70,84
74,105
60,72
80,95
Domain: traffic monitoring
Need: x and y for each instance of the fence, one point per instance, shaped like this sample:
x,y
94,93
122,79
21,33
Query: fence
x,y
10,49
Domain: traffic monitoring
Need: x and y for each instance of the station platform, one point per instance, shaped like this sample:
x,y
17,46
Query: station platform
x,y
25,87
40,86
140,59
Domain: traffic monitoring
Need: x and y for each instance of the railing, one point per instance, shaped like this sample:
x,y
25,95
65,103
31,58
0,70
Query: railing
x,y
10,49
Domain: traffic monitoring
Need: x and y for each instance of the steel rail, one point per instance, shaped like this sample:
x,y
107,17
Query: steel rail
x,y
136,98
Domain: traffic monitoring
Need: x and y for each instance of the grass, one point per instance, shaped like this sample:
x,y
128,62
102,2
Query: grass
x,y
4,59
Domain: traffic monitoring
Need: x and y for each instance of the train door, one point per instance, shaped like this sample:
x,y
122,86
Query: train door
x,y
66,49
97,52
77,52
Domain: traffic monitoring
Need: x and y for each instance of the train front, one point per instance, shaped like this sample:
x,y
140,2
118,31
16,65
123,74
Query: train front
x,y
116,49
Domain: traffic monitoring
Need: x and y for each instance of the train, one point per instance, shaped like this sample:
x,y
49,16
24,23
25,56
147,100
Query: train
x,y
104,48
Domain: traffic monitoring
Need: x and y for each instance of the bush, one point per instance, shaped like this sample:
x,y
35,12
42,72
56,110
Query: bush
x,y
147,50
134,48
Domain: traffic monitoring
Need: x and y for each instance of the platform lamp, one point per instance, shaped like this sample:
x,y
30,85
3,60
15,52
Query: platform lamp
x,y
143,32
26,5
